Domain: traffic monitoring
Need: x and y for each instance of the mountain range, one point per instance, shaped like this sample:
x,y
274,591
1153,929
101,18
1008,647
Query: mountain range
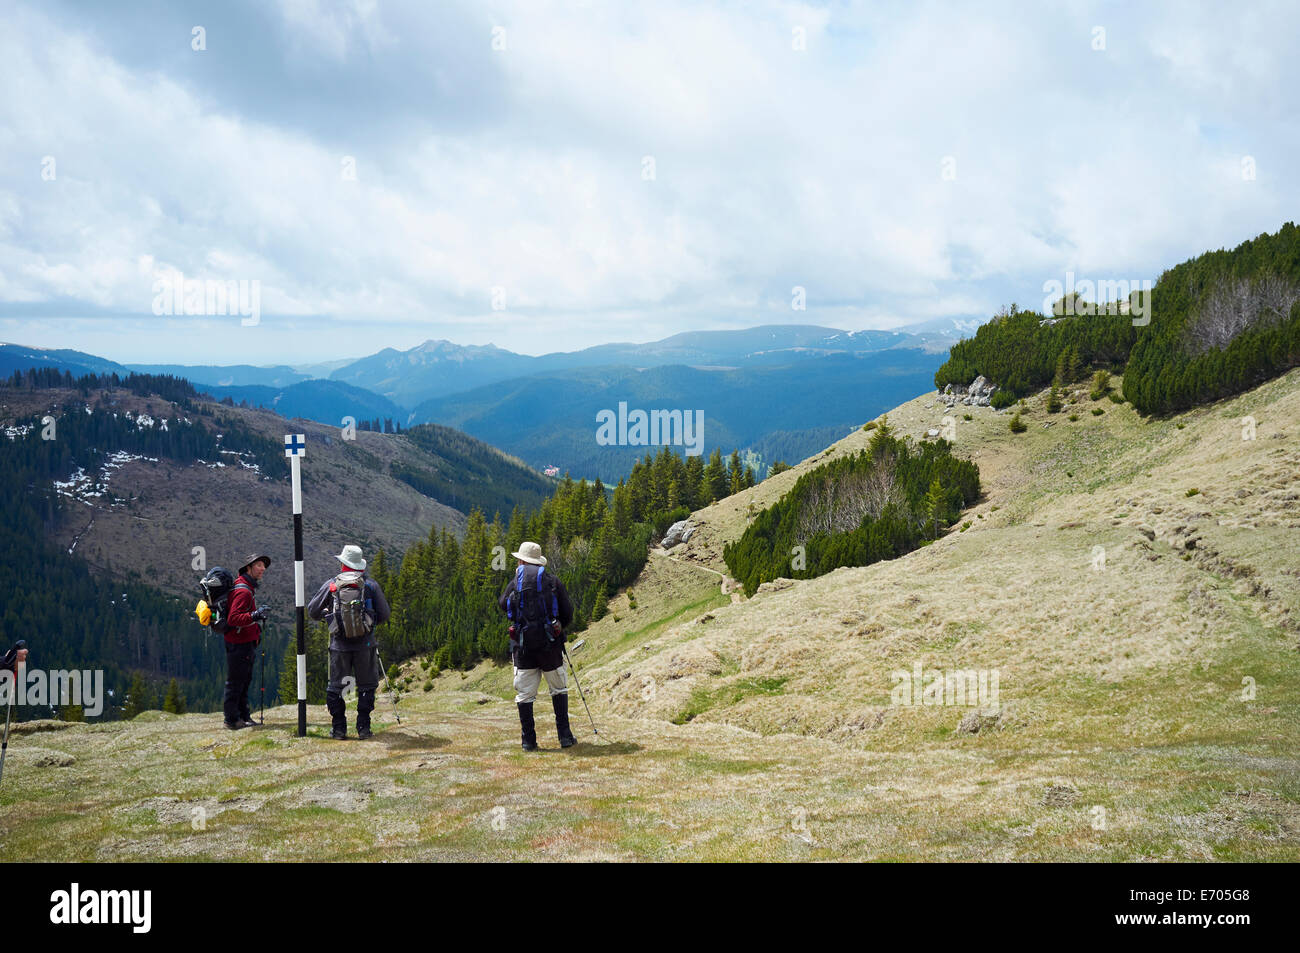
x,y
776,391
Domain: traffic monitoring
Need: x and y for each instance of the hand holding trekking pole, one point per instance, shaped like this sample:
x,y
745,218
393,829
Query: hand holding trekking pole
x,y
391,693
15,657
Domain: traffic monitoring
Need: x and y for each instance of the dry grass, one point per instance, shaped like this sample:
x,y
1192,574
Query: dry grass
x,y
1124,731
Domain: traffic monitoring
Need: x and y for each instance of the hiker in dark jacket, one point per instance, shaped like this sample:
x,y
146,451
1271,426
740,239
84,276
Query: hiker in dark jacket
x,y
353,605
538,607
243,635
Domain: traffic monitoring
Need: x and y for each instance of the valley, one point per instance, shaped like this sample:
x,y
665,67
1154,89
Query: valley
x,y
1148,703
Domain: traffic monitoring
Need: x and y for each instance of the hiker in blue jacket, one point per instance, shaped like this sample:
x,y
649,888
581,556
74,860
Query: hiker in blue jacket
x,y
352,605
538,607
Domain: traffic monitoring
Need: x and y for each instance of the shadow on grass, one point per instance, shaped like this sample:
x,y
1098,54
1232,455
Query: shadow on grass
x,y
602,749
399,740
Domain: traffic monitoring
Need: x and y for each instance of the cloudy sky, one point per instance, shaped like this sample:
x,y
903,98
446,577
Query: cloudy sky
x,y
546,176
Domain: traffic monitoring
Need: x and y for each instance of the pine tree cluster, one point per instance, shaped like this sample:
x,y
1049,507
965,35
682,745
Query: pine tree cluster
x,y
856,510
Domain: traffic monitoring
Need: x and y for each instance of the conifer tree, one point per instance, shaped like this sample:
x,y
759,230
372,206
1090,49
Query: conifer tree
x,y
715,477
933,507
735,474
72,713
175,700
138,697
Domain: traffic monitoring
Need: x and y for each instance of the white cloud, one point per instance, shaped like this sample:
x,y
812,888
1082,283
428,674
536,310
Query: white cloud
x,y
774,167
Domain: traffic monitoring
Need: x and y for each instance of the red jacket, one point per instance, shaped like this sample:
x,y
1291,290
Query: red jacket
x,y
239,627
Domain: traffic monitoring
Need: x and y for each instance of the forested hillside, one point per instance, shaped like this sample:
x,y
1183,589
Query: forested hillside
x,y
71,617
1220,324
1212,327
120,488
468,474
1022,351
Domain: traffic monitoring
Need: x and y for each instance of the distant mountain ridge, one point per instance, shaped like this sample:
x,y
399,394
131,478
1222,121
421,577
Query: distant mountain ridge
x,y
232,375
781,412
324,401
19,357
439,368
777,391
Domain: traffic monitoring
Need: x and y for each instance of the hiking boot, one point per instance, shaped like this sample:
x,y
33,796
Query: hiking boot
x,y
561,705
339,723
248,723
527,730
234,725
364,732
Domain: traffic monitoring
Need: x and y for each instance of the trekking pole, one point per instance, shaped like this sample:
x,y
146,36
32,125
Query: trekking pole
x,y
263,720
391,693
9,709
4,749
594,730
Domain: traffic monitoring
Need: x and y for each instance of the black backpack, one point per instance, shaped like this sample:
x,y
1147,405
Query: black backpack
x,y
217,586
533,607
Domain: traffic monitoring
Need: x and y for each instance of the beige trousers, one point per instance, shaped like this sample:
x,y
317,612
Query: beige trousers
x,y
527,681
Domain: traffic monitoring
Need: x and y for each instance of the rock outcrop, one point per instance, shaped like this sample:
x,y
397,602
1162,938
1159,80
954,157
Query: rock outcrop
x,y
679,532
978,394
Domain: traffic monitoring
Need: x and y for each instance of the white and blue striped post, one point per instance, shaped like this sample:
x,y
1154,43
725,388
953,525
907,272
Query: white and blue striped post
x,y
295,446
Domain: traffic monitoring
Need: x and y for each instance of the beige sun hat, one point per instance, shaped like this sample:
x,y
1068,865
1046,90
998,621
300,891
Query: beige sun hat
x,y
530,553
351,557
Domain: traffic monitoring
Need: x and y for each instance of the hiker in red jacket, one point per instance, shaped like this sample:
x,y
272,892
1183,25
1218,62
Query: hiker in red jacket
x,y
15,657
243,633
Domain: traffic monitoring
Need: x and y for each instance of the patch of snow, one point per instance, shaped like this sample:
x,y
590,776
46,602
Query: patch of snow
x,y
81,486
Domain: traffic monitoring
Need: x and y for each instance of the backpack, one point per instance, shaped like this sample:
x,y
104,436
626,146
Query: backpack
x,y
348,590
533,608
217,586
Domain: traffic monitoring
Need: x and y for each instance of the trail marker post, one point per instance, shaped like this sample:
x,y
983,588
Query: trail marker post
x,y
295,447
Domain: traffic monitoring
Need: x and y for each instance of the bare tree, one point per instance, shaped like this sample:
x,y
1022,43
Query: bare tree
x,y
839,504
1233,307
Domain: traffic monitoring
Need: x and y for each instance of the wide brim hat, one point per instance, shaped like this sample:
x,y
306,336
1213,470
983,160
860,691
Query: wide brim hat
x,y
530,553
254,558
351,557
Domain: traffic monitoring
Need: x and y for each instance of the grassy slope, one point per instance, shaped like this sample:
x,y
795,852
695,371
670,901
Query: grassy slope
x,y
1120,688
